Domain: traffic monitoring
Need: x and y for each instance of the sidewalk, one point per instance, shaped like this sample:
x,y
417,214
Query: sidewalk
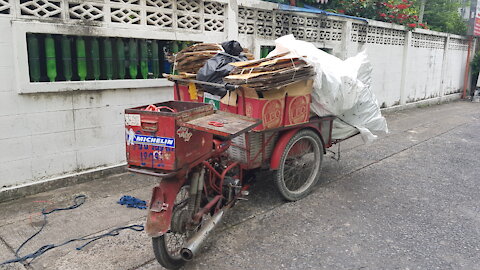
x,y
99,214
346,223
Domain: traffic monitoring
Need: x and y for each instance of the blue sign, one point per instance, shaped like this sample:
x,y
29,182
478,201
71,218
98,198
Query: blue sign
x,y
161,141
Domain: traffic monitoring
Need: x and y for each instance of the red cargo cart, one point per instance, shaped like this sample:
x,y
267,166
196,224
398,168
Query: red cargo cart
x,y
202,157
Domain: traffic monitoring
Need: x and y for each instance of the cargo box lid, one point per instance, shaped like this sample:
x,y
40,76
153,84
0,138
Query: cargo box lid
x,y
224,124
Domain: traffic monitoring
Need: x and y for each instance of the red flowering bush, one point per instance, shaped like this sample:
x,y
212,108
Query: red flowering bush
x,y
403,12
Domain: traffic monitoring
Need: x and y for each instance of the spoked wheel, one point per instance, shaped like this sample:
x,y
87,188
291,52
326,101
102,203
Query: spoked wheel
x,y
167,247
300,165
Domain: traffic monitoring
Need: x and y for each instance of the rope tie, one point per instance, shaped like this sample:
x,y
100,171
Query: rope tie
x,y
294,69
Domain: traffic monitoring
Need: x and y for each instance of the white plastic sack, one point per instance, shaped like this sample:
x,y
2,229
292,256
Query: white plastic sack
x,y
341,88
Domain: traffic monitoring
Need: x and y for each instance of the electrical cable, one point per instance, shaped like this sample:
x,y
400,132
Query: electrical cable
x,y
78,201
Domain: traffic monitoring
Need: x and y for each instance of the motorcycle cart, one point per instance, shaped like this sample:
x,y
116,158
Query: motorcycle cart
x,y
202,156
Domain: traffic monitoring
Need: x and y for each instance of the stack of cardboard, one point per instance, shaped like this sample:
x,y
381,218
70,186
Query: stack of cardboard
x,y
269,73
191,59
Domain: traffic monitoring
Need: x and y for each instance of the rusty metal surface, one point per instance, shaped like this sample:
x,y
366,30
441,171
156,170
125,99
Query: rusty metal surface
x,y
155,140
161,205
232,124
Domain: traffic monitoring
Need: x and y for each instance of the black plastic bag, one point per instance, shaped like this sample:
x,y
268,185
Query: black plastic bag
x,y
216,68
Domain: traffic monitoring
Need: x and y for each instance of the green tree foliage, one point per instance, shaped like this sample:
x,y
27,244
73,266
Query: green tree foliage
x,y
475,66
404,12
442,15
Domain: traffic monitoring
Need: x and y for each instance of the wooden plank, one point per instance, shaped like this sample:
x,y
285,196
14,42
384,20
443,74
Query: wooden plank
x,y
233,124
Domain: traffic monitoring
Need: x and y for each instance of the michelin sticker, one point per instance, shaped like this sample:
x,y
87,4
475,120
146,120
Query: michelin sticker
x,y
133,138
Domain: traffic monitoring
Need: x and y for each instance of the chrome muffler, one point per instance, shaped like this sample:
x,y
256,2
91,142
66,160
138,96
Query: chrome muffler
x,y
193,245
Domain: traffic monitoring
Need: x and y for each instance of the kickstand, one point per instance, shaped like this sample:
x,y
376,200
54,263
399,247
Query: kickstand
x,y
336,155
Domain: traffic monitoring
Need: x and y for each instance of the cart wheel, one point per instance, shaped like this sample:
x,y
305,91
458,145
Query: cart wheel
x,y
168,246
300,165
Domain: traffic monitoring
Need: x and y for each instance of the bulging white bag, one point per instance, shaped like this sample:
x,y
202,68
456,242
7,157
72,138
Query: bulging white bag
x,y
341,88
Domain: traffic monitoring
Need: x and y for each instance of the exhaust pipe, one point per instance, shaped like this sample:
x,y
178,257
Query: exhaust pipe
x,y
194,244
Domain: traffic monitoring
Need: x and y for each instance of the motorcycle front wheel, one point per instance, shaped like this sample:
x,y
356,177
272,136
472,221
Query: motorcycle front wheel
x,y
167,247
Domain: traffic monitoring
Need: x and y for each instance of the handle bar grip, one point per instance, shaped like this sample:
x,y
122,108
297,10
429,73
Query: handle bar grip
x,y
231,87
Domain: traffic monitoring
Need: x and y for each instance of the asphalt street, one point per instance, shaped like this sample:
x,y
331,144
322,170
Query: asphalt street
x,y
409,200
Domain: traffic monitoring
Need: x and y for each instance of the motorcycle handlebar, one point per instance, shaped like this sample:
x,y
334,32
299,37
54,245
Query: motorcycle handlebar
x,y
229,87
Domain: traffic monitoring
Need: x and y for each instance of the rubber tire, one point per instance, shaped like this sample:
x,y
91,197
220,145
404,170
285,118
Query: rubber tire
x,y
162,256
279,181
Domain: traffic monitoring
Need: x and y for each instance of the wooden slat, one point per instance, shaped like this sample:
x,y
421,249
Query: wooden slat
x,y
233,124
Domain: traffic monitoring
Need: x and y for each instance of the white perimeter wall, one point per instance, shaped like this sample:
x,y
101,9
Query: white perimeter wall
x,y
52,134
410,66
55,129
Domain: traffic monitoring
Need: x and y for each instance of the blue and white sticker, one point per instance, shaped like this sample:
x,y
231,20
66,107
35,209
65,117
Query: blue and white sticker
x,y
133,138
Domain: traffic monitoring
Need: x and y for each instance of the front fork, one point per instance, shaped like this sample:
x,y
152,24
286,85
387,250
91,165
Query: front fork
x,y
196,189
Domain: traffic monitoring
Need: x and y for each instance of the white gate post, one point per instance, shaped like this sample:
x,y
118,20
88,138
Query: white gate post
x,y
444,66
232,20
406,46
346,35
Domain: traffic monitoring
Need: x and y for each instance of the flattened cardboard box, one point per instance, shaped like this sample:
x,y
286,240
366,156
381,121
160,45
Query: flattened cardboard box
x,y
229,102
287,106
297,102
269,108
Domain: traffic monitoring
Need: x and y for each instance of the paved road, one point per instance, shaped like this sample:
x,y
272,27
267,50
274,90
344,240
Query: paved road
x,y
410,200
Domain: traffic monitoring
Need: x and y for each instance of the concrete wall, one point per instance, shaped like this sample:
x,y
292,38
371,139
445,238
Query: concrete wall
x,y
387,80
44,135
409,66
54,129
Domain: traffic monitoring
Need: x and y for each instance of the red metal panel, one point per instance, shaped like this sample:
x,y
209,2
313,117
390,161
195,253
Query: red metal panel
x,y
316,123
161,206
156,140
181,93
280,148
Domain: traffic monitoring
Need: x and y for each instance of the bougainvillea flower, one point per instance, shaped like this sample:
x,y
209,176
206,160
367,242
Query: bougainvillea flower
x,y
402,6
412,25
383,15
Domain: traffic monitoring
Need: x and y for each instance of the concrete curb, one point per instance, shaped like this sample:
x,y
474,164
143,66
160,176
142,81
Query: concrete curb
x,y
15,192
422,103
